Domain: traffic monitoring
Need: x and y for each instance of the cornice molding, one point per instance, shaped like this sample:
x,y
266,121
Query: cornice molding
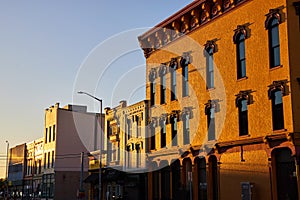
x,y
191,17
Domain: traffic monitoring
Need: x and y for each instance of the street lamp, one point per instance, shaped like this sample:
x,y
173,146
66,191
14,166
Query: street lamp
x,y
100,138
6,174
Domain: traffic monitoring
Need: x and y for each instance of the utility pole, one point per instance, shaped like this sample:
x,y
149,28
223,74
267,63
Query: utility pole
x,y
7,150
81,190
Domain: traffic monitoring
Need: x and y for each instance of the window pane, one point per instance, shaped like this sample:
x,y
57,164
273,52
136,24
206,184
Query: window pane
x,y
276,56
275,36
278,97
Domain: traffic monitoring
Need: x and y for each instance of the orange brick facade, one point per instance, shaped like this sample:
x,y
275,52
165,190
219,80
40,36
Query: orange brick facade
x,y
212,154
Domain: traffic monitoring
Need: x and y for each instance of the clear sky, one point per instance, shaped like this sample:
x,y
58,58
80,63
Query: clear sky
x,y
44,46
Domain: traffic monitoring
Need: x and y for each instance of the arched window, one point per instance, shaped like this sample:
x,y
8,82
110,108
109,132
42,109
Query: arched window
x,y
163,133
209,67
163,88
210,110
277,109
185,79
173,68
241,56
174,130
152,93
186,128
184,63
243,116
274,43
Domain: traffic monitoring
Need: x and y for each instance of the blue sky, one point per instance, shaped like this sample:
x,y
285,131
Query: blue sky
x,y
44,46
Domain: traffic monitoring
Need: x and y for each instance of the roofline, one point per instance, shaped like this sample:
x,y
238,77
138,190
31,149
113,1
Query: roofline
x,y
173,17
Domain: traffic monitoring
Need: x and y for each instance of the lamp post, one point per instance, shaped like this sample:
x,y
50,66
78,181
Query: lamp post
x,y
100,138
6,174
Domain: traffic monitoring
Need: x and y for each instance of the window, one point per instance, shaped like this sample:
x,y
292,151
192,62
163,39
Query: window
x,y
174,130
173,82
45,160
277,109
163,133
209,68
54,132
185,78
163,88
129,129
108,128
152,138
50,133
52,163
210,113
186,128
138,126
48,160
243,116
46,135
241,56
152,93
274,44
138,155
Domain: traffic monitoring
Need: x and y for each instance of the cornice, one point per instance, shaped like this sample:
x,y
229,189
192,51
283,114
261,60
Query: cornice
x,y
188,19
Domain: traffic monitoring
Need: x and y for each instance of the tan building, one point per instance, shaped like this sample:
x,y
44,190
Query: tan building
x,y
124,153
69,131
223,83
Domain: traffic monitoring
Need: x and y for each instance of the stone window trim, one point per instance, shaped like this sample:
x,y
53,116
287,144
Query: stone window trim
x,y
186,58
187,110
173,63
163,70
211,44
244,94
212,104
241,29
275,13
152,75
279,85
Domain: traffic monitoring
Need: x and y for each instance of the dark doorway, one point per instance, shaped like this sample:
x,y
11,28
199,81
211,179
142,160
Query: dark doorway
x,y
285,174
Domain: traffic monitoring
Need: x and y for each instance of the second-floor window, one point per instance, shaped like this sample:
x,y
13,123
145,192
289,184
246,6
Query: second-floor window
x,y
46,135
54,132
243,116
186,128
209,68
211,123
163,133
174,130
185,79
277,110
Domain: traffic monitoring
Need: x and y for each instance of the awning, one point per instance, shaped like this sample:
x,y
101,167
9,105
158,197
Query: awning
x,y
92,178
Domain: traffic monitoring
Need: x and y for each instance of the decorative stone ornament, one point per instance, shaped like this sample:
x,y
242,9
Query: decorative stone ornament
x,y
242,29
185,59
275,13
152,74
162,70
211,44
246,94
279,85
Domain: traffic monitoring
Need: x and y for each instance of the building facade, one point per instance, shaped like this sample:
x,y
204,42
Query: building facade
x,y
123,154
33,172
69,131
223,84
16,170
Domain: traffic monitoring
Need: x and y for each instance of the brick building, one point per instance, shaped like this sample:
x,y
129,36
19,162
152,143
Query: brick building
x,y
223,83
